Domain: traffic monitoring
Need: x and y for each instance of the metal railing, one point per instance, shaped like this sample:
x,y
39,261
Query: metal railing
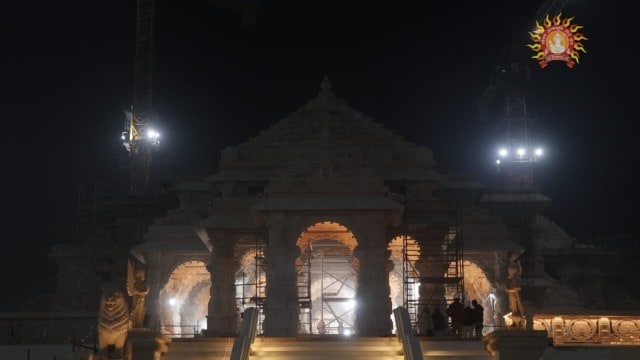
x,y
242,344
404,331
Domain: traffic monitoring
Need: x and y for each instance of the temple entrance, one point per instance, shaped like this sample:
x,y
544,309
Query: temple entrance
x,y
326,280
184,300
478,287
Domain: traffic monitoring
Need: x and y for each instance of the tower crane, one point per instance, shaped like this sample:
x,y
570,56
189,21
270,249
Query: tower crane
x,y
139,137
510,85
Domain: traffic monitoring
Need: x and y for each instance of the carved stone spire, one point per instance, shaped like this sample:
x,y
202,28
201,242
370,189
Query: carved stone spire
x,y
325,88
325,85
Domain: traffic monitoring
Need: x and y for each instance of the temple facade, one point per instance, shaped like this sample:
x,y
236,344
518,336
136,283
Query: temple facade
x,y
326,221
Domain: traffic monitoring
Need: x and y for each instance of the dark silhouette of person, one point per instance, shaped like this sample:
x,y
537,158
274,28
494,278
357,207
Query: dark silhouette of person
x,y
439,321
467,321
478,318
456,312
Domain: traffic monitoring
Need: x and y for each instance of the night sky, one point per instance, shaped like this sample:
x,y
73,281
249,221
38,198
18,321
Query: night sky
x,y
418,67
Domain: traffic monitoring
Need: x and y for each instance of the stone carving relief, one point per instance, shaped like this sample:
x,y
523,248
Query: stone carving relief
x,y
590,329
138,290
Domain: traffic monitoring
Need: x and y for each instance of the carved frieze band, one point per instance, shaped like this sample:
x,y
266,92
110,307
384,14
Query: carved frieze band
x,y
590,329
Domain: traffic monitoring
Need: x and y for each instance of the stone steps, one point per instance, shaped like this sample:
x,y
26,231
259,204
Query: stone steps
x,y
454,349
326,347
200,349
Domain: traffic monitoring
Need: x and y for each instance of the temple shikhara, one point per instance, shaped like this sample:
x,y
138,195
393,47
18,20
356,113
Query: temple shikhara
x,y
321,227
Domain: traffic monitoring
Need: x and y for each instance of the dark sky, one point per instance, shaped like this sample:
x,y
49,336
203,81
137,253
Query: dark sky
x,y
418,67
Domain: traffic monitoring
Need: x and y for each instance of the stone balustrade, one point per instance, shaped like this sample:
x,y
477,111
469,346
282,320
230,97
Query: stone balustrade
x,y
590,329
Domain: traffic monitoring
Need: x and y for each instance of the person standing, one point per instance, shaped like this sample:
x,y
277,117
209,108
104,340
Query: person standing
x,y
439,321
467,321
456,312
321,327
478,318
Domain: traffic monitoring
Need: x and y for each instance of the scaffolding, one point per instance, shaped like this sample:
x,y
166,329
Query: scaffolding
x,y
327,265
304,292
422,294
252,287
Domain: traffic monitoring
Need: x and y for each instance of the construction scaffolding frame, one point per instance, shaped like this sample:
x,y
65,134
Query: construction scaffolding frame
x,y
421,293
326,264
304,292
253,288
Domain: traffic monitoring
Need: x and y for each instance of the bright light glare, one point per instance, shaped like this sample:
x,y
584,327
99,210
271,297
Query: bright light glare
x,y
503,152
347,332
521,151
152,134
351,303
538,152
172,301
498,162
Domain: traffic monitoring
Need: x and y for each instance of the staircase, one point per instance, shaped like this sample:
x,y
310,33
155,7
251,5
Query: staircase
x,y
443,349
327,347
200,349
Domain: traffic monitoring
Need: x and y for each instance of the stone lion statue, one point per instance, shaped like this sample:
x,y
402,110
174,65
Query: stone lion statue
x,y
114,321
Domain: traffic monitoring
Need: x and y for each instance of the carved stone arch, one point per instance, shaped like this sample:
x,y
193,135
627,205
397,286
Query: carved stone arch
x,y
484,263
171,262
479,285
326,230
187,272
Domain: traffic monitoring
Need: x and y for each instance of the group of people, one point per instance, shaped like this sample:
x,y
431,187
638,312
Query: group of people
x,y
466,321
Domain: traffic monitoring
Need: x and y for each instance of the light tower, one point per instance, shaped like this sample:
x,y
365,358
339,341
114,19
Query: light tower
x,y
139,137
517,153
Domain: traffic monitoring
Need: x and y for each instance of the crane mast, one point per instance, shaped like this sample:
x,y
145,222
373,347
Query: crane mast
x,y
511,82
138,136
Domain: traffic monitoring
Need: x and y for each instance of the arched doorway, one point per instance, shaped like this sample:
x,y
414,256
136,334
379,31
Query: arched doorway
x,y
326,279
184,300
478,287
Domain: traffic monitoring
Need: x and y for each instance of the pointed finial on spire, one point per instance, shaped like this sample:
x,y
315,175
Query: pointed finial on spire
x,y
325,85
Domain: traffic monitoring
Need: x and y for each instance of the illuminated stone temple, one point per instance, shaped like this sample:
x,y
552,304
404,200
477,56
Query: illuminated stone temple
x,y
329,216
327,221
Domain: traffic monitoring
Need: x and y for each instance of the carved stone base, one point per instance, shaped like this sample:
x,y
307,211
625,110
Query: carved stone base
x,y
147,344
516,344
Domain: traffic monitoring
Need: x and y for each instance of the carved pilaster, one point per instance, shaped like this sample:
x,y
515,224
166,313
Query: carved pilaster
x,y
222,310
147,344
281,307
154,279
373,311
516,344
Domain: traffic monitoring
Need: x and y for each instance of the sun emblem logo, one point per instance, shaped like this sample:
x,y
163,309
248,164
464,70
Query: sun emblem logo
x,y
557,40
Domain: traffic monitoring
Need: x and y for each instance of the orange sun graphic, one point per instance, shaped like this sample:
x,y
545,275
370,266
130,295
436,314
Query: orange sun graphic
x,y
557,40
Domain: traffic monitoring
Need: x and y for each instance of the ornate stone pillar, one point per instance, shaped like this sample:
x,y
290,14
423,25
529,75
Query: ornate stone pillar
x,y
281,305
501,276
222,310
153,307
373,309
147,344
516,344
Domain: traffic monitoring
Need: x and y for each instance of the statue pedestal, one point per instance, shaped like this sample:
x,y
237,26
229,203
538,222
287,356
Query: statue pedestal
x,y
517,344
147,344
